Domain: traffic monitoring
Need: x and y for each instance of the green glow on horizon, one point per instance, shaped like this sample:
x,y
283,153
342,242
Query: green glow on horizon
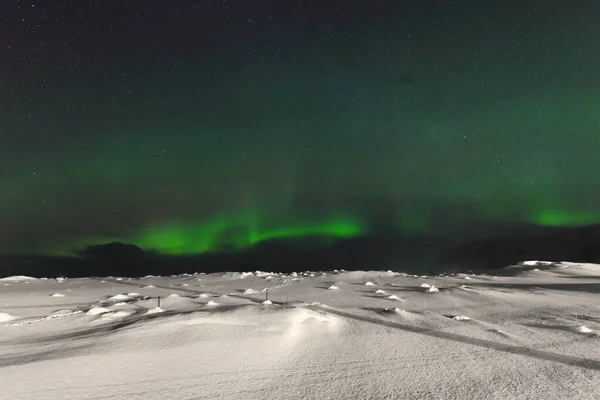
x,y
559,218
238,231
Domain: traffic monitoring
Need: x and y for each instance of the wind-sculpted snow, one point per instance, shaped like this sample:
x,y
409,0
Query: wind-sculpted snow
x,y
530,331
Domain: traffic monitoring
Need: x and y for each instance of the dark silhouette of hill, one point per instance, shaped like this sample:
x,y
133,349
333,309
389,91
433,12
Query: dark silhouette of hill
x,y
578,244
119,259
384,251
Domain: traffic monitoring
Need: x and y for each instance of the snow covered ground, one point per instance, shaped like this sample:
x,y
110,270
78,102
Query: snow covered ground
x,y
530,332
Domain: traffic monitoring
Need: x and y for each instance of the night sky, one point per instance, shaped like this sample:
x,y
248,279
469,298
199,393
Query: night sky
x,y
188,127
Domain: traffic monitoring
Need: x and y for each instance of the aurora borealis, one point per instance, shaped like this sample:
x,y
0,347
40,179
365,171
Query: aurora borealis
x,y
187,128
240,232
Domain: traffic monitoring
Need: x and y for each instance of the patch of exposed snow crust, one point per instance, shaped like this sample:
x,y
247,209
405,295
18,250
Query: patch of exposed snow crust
x,y
461,318
119,297
97,311
5,317
584,329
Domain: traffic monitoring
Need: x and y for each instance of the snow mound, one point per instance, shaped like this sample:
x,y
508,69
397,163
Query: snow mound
x,y
155,310
528,263
5,317
203,295
461,318
250,291
267,302
134,294
425,285
184,285
583,329
18,278
369,283
245,275
57,295
392,297
97,311
531,263
380,291
121,303
117,314
173,295
467,278
212,303
119,297
333,287
432,289
394,310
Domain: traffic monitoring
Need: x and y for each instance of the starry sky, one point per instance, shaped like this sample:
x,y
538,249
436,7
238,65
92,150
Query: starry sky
x,y
193,126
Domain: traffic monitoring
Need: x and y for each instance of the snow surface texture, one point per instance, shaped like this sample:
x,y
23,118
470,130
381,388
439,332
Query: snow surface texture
x,y
526,334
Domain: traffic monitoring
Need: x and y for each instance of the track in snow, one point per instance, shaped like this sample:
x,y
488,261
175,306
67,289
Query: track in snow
x,y
519,350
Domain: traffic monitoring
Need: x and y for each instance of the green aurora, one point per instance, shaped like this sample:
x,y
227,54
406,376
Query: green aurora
x,y
243,230
554,218
240,231
416,121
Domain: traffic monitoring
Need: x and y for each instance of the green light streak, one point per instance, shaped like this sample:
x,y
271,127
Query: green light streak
x,y
238,231
563,218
